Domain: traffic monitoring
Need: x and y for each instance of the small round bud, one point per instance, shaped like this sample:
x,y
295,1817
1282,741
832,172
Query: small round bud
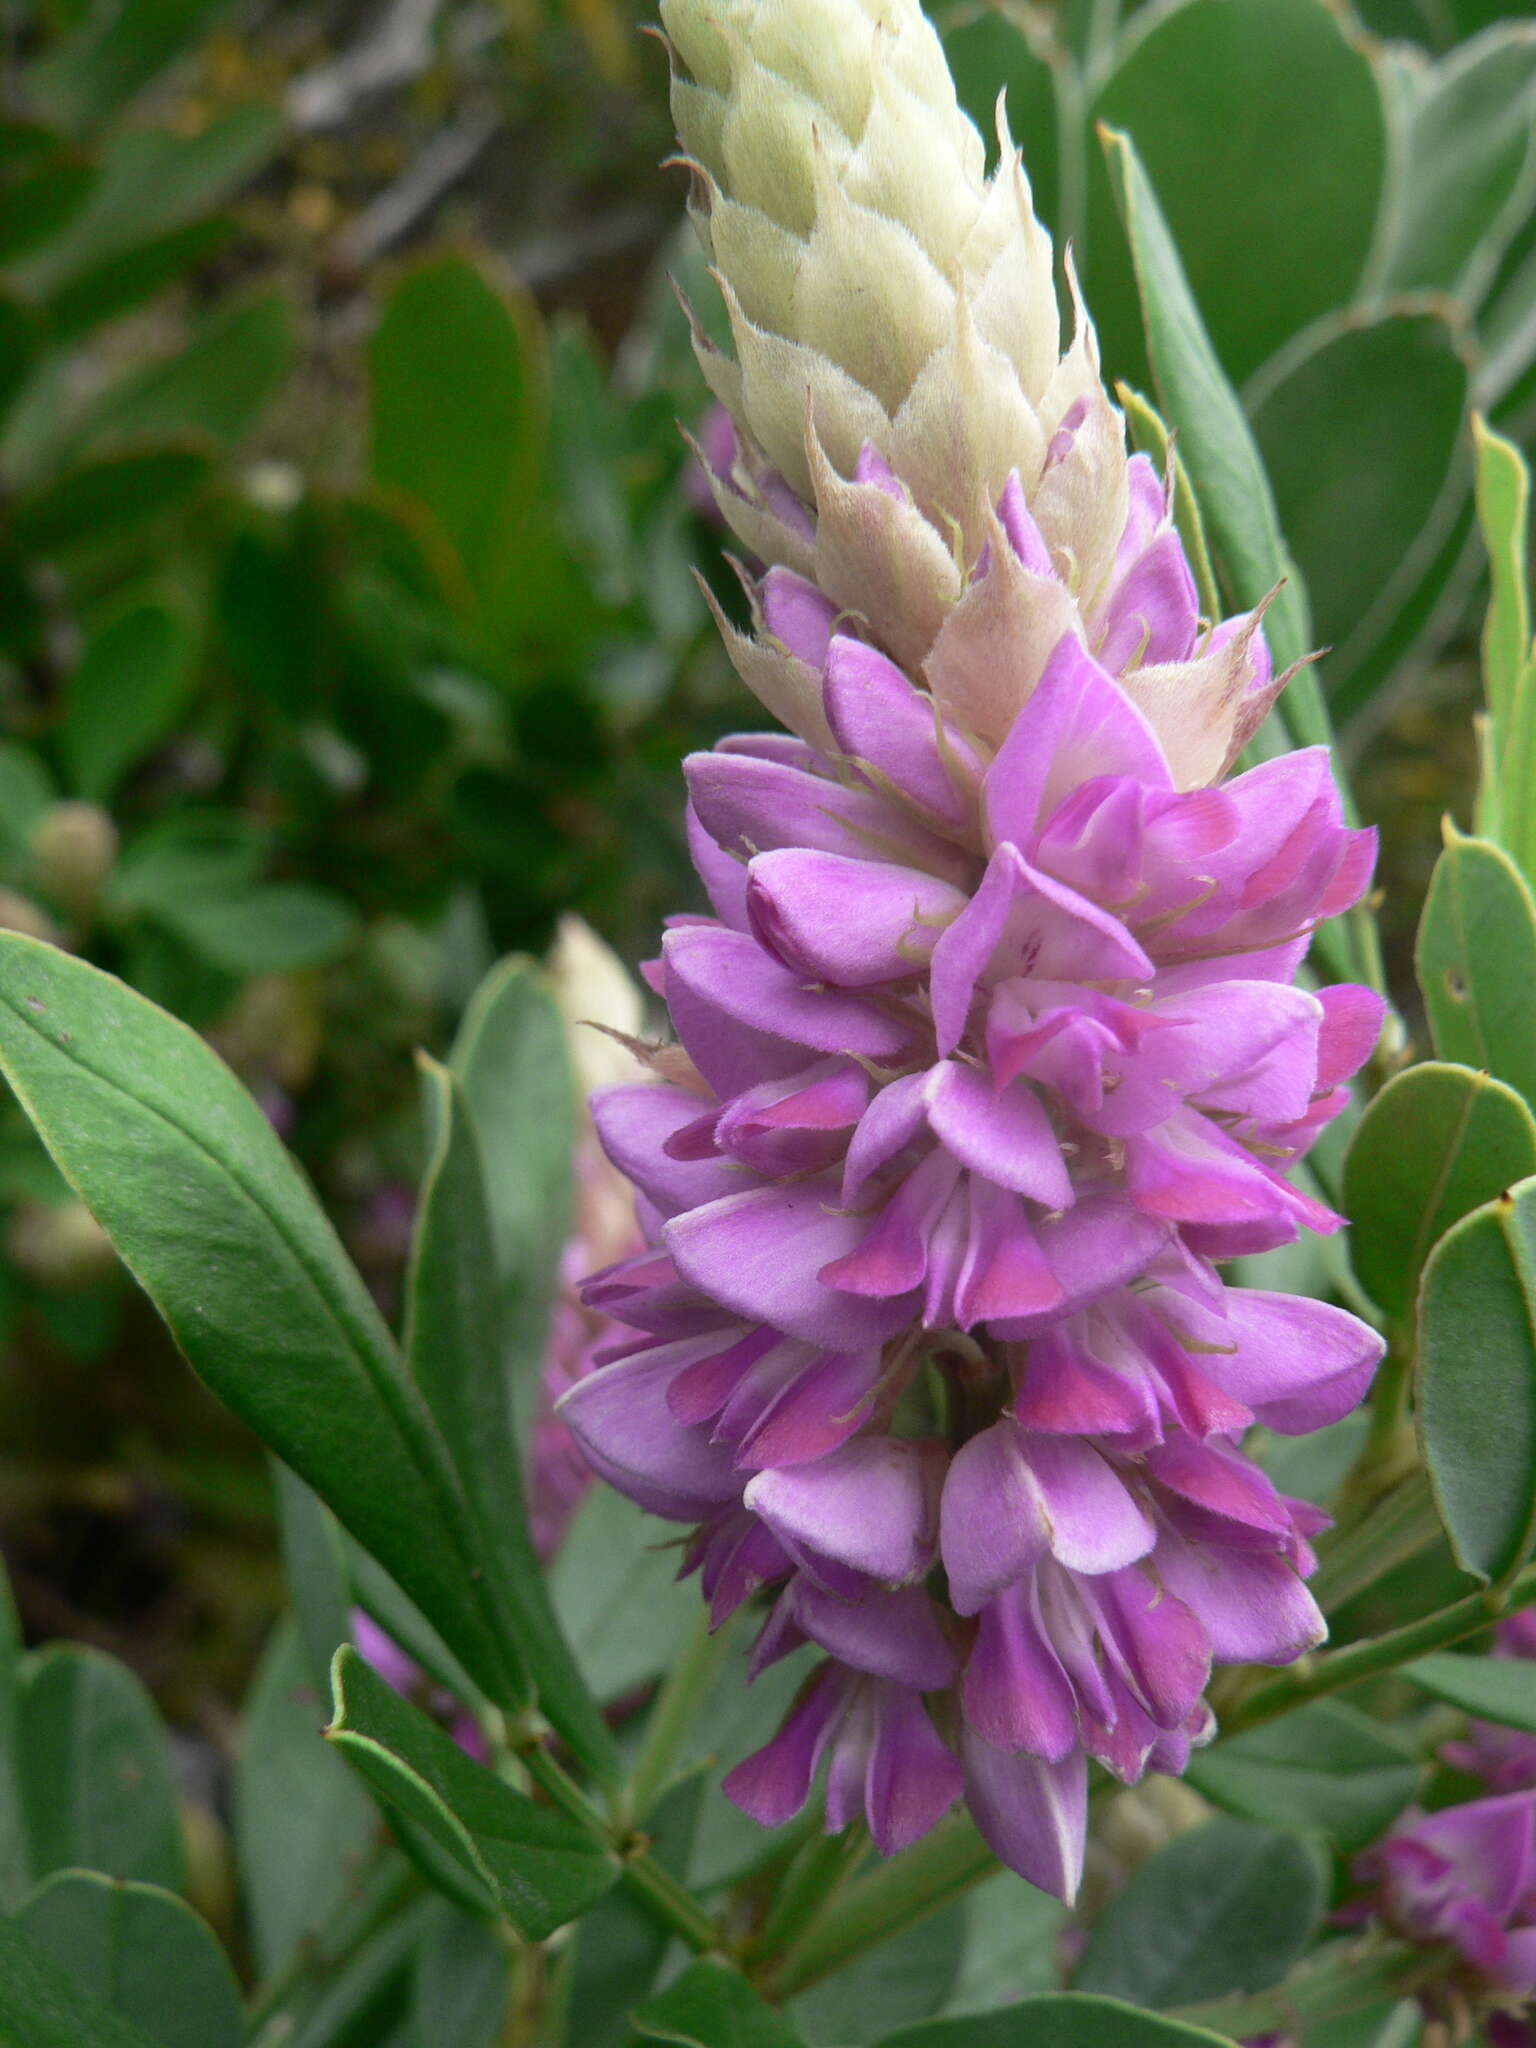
x,y
19,913
62,1248
74,850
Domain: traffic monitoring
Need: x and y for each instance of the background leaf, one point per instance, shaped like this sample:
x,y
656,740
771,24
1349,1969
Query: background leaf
x,y
1501,1689
1325,1767
1472,1137
1476,961
96,1781
1476,1395
1067,2020
1227,1907
713,2006
143,1952
41,2006
128,691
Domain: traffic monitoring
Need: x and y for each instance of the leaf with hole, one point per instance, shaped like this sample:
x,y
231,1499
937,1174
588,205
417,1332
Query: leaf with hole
x,y
1472,1137
1476,1391
1476,962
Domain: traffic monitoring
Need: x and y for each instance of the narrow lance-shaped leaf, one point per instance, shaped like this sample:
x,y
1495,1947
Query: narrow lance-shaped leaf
x,y
1472,1137
205,1208
1507,795
540,1869
1476,1406
453,1342
1218,451
1476,961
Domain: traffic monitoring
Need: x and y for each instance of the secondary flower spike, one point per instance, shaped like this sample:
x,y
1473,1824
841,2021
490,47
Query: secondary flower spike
x,y
992,1049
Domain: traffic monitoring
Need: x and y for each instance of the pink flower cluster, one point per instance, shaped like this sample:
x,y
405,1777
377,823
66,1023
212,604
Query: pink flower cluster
x,y
991,1052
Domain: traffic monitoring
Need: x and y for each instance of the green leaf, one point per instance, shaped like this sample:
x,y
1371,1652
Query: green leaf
x,y
620,1945
453,1343
1217,449
113,54
116,284
41,204
1476,962
905,1978
230,1246
15,1851
143,1952
1068,2019
511,1062
1467,160
26,791
615,1587
1471,1137
127,693
1228,1907
1010,1948
539,1868
713,2006
314,1565
459,1998
1328,416
273,929
1503,505
303,1824
100,502
1225,100
97,1786
1323,1767
445,330
41,2006
18,347
216,383
1501,1689
1476,1393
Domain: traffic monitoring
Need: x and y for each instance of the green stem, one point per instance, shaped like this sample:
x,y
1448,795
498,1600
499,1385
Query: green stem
x,y
676,1708
1339,1668
664,1898
810,1884
938,1869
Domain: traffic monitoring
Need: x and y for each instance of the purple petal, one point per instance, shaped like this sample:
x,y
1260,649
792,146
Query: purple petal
x,y
881,722
1004,1134
913,1779
634,1123
853,923
1016,1695
1033,1814
775,1783
1253,1608
1153,613
1297,1364
892,1635
992,1528
870,1505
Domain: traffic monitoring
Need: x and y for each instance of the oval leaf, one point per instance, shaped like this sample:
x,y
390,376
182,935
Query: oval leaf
x,y
1476,962
143,1952
1472,1137
41,2006
1068,2019
713,2006
1324,1767
1476,1398
97,1785
1228,1907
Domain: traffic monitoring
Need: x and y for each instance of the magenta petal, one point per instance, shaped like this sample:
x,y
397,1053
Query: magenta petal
x,y
735,978
796,613
913,1779
819,1409
870,1505
775,1783
1297,1364
634,1124
892,1635
1490,1845
992,1526
1094,1521
1005,1134
1253,1607
1016,1695
399,1672
852,923
1352,1021
894,1118
760,1252
1153,614
881,722
1033,1814
621,1419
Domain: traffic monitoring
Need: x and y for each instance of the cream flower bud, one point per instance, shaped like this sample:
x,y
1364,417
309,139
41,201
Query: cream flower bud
x,y
881,289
